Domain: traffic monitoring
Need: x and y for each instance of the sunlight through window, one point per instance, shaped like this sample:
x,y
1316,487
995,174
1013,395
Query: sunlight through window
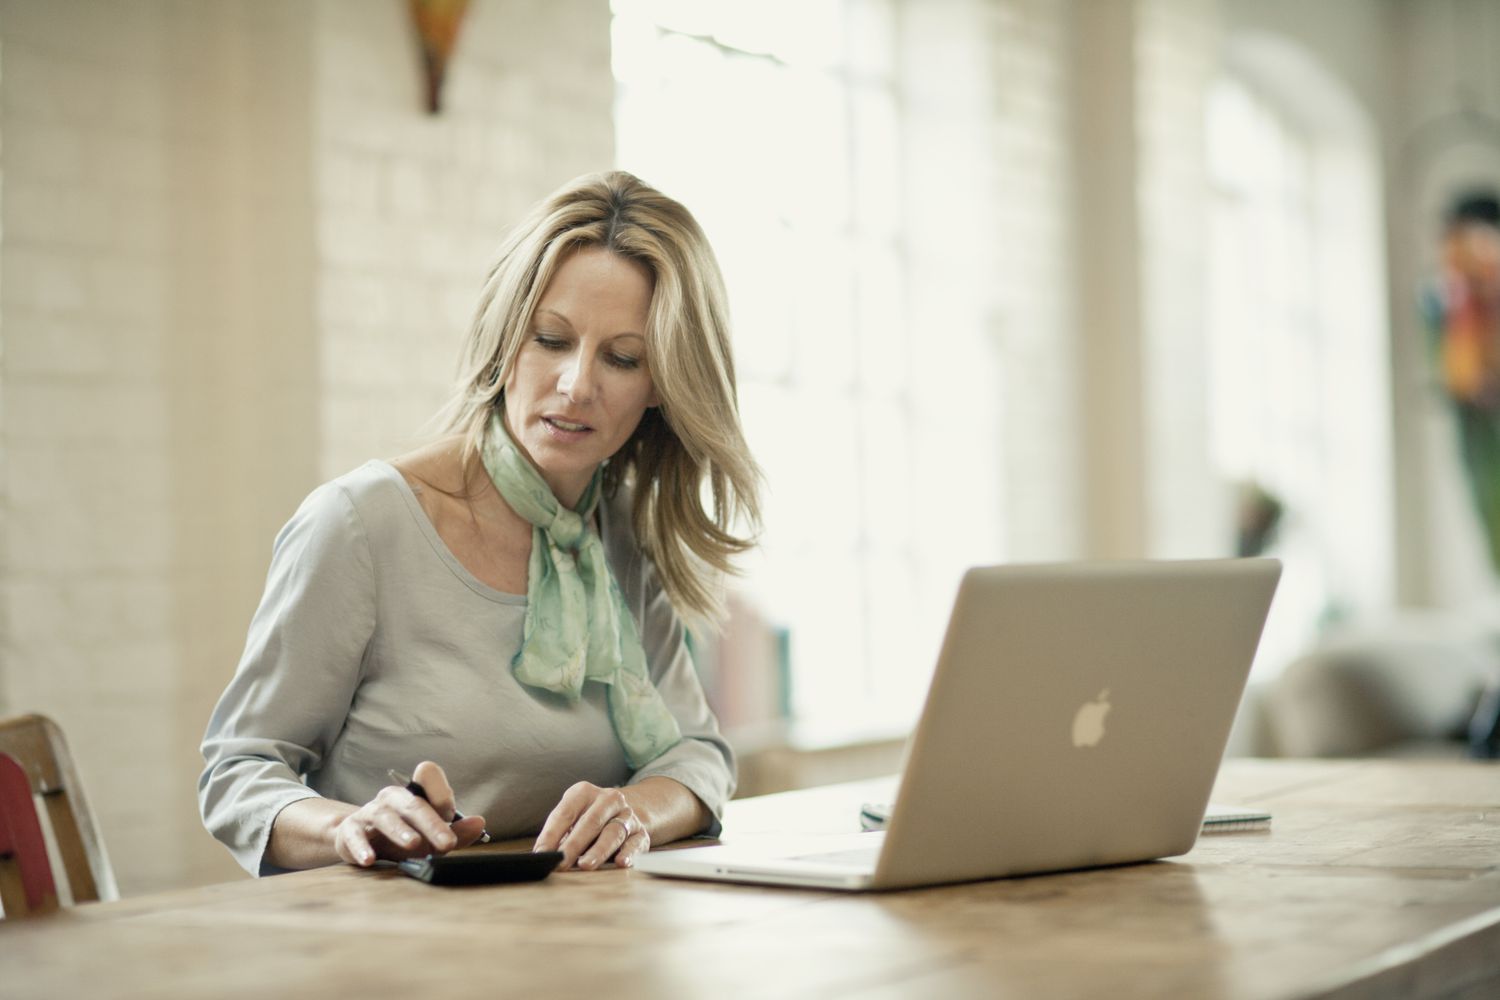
x,y
778,125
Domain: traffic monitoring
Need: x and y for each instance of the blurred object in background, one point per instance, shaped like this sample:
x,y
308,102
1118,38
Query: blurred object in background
x,y
1463,315
1484,728
437,23
744,675
1417,683
1258,513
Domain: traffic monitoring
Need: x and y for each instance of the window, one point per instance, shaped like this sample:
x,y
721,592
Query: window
x,y
778,125
1298,377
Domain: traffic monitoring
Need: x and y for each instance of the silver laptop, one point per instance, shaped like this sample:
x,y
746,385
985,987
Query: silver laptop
x,y
1076,718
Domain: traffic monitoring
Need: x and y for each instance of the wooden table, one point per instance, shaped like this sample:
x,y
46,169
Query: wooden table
x,y
1377,879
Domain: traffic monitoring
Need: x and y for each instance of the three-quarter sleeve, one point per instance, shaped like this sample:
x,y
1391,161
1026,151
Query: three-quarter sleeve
x,y
296,679
703,760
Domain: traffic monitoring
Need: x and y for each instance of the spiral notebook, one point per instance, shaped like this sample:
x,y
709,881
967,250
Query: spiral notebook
x,y
1219,818
1076,719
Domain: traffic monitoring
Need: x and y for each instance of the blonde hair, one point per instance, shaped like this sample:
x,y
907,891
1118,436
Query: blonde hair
x,y
694,435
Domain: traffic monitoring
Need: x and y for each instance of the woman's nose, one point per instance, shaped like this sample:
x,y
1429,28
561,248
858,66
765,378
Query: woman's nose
x,y
576,380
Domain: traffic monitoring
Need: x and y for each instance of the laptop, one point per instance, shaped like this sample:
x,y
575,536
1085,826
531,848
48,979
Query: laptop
x,y
1076,718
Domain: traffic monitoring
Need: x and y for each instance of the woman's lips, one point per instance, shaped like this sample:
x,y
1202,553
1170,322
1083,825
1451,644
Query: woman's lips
x,y
566,430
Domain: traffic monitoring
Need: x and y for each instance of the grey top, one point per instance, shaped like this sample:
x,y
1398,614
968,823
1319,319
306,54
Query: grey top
x,y
373,648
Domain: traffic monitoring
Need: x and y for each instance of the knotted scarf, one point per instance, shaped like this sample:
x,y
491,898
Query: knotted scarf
x,y
577,626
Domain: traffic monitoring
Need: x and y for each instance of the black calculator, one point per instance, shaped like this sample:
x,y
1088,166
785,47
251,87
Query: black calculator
x,y
482,867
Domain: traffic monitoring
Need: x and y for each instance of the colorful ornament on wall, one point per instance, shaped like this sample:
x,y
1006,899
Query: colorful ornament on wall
x,y
1463,314
437,23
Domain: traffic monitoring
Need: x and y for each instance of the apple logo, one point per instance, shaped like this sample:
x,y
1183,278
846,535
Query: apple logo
x,y
1088,724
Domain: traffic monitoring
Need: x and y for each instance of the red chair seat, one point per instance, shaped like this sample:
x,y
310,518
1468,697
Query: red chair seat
x,y
26,885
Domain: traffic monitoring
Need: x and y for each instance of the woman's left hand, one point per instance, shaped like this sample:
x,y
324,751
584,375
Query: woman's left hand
x,y
591,825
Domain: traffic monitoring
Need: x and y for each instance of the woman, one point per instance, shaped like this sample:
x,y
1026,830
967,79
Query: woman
x,y
503,602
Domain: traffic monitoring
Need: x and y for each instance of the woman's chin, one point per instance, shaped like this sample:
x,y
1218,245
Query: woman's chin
x,y
568,476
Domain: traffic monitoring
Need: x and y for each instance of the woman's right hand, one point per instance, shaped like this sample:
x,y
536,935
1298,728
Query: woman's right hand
x,y
396,824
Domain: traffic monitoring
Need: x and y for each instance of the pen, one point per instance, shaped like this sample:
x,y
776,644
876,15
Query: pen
x,y
421,793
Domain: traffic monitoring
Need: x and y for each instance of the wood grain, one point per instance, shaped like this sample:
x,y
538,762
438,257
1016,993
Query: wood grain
x,y
1376,879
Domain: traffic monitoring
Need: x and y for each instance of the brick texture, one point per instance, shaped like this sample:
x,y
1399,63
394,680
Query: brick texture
x,y
237,258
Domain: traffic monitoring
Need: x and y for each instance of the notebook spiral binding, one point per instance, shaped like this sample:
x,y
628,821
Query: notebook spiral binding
x,y
1218,819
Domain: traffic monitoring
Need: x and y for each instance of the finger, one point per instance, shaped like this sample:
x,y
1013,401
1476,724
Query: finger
x,y
635,845
392,825
612,837
607,804
423,818
439,793
417,814
468,830
353,843
564,815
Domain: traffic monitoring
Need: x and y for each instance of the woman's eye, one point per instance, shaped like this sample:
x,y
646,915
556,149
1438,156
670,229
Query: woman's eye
x,y
549,343
624,361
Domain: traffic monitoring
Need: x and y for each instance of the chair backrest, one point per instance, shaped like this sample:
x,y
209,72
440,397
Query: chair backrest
x,y
37,744
26,886
1410,682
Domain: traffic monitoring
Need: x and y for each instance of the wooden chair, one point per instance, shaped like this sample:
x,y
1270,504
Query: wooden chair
x,y
37,745
26,886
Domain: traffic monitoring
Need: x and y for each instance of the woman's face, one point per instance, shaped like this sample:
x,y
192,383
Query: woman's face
x,y
579,384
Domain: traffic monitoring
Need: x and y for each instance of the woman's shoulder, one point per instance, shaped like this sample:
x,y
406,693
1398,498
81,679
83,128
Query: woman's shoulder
x,y
357,500
438,464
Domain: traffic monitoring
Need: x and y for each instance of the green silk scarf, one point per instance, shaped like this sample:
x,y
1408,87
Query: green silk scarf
x,y
577,627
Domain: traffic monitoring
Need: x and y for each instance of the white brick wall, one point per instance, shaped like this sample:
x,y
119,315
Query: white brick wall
x,y
953,172
236,258
83,417
988,155
1036,281
1177,47
410,208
